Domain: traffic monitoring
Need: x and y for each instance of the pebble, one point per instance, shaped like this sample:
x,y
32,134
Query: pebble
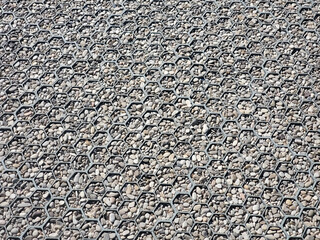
x,y
197,207
123,211
112,217
4,204
134,209
288,202
307,198
256,207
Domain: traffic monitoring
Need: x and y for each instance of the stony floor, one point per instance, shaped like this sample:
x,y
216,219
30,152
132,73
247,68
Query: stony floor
x,y
159,119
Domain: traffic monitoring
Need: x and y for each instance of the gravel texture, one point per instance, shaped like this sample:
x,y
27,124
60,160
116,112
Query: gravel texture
x,y
159,120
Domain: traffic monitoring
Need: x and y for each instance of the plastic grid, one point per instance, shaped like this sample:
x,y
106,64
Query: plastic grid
x,y
159,120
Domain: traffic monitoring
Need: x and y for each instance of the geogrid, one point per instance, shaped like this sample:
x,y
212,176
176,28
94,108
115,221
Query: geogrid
x,y
156,119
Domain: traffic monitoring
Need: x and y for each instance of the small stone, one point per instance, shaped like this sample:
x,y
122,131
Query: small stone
x,y
270,237
205,128
256,207
4,204
23,205
112,217
123,211
307,198
288,202
229,181
35,233
197,207
133,210
184,224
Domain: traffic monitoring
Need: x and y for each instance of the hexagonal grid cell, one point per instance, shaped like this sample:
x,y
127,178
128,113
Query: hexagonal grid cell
x,y
159,119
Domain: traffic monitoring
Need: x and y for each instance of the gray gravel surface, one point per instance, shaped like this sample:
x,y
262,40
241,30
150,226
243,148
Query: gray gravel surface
x,y
159,120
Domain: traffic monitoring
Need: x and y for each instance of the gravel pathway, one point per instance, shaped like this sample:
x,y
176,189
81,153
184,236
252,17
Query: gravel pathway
x,y
153,119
